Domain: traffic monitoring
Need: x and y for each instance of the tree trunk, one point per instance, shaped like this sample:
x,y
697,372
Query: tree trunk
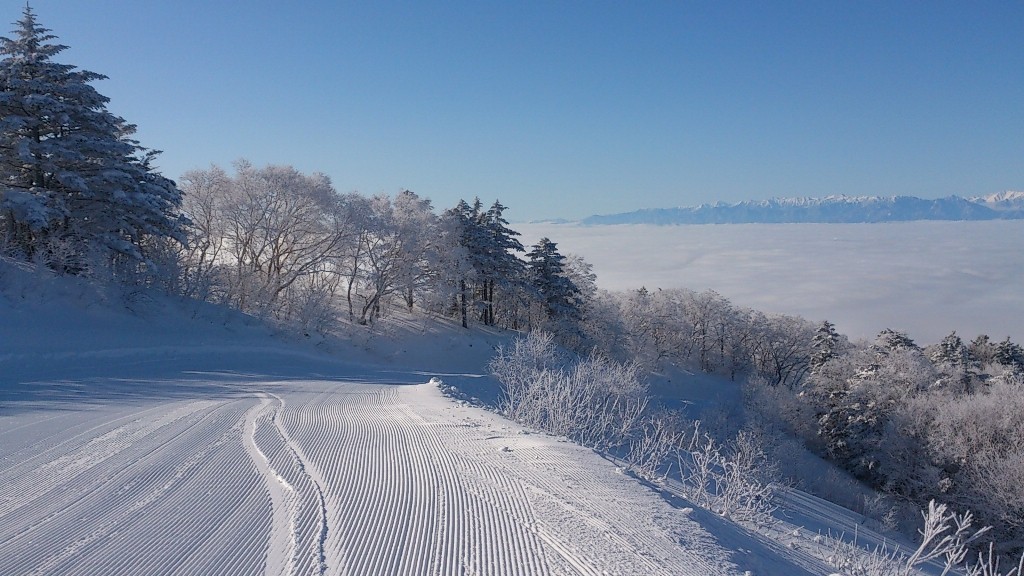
x,y
462,302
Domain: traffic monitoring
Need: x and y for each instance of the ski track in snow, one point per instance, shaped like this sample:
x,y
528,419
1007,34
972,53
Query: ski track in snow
x,y
283,499
288,478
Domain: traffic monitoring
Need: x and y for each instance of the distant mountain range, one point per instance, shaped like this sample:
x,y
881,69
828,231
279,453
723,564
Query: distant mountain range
x,y
830,209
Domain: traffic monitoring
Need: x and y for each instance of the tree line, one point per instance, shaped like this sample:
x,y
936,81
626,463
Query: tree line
x,y
279,244
80,196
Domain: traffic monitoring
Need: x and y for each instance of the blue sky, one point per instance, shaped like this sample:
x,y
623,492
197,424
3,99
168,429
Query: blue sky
x,y
567,109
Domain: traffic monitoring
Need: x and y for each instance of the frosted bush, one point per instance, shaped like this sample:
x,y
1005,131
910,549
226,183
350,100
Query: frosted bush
x,y
734,481
596,402
946,539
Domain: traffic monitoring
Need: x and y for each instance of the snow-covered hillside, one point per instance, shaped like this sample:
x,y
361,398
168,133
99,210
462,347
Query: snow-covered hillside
x,y
145,435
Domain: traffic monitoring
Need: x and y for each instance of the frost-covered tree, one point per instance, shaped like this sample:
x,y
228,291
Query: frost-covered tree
x,y
582,275
557,292
781,350
890,340
950,351
650,325
282,226
1010,354
265,233
416,226
392,256
708,313
824,346
75,188
452,269
205,192
488,246
981,350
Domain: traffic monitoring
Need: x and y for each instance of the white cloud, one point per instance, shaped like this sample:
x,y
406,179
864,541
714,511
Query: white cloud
x,y
926,278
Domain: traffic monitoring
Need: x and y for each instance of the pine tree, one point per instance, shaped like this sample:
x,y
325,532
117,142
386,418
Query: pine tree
x,y
490,247
981,350
951,351
547,276
70,173
501,268
1010,354
890,340
824,346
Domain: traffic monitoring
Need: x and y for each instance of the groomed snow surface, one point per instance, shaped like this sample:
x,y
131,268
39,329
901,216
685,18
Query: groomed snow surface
x,y
234,476
177,438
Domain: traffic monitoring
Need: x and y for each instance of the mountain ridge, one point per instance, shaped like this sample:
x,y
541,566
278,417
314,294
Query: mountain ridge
x,y
829,209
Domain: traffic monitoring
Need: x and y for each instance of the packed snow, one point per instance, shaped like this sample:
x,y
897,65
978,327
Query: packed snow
x,y
157,436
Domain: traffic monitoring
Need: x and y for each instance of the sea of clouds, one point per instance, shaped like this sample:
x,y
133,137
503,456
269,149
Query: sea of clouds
x,y
926,278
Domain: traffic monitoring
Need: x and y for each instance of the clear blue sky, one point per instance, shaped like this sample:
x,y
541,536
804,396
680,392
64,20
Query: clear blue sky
x,y
567,109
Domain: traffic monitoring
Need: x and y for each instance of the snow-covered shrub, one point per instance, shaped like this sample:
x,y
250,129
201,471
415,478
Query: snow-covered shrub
x,y
594,401
735,481
604,400
655,445
518,365
978,440
988,565
313,310
946,539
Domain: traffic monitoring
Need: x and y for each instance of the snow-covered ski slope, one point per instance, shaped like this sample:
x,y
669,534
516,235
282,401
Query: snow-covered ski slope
x,y
230,475
180,439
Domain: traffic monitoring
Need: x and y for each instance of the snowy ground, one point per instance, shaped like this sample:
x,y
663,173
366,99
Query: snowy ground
x,y
926,278
175,438
226,474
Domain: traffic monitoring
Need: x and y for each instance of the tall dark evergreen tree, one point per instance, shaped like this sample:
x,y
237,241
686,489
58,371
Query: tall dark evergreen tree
x,y
490,247
501,268
558,293
70,174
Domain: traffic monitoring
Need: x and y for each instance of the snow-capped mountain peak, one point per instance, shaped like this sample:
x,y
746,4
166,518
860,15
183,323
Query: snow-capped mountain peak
x,y
829,209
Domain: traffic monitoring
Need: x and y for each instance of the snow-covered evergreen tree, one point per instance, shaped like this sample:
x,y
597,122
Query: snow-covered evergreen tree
x,y
950,351
890,340
502,269
831,391
72,180
1010,354
824,345
559,294
489,246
